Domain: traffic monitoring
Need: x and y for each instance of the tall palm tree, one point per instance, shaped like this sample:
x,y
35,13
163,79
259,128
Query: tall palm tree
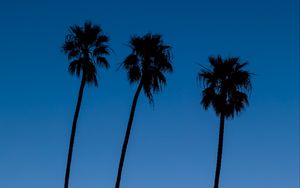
x,y
146,65
226,86
85,47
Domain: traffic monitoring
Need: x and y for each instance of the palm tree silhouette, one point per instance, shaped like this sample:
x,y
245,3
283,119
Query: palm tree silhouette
x,y
225,89
146,65
86,47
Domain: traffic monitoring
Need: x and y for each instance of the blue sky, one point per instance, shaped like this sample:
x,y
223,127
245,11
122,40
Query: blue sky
x,y
174,142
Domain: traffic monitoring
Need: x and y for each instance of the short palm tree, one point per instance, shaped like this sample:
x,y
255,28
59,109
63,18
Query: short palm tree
x,y
85,47
149,60
226,86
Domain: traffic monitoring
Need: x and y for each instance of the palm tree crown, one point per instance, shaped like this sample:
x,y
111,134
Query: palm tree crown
x,y
225,85
86,47
149,59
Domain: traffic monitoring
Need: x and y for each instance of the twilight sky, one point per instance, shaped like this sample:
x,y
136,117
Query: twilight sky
x,y
174,142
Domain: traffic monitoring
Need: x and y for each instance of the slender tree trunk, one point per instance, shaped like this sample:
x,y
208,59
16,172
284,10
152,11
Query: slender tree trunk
x,y
67,175
220,149
125,143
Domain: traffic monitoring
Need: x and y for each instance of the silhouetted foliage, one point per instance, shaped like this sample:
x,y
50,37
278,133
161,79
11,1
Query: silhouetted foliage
x,y
225,89
86,48
149,60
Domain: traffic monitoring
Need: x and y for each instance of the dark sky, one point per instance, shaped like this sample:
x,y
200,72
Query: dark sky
x,y
174,142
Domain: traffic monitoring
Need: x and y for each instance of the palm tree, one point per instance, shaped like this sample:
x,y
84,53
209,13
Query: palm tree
x,y
86,47
146,65
225,89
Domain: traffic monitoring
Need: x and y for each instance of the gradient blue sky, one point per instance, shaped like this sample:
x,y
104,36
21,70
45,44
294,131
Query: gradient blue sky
x,y
174,142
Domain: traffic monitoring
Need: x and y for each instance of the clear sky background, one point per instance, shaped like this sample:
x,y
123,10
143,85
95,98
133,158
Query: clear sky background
x,y
173,143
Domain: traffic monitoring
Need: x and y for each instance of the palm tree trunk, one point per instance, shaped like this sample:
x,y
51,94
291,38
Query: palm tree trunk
x,y
127,134
67,175
220,149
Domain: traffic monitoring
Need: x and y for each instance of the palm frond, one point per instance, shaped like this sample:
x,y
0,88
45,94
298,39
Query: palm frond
x,y
134,74
75,67
102,61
